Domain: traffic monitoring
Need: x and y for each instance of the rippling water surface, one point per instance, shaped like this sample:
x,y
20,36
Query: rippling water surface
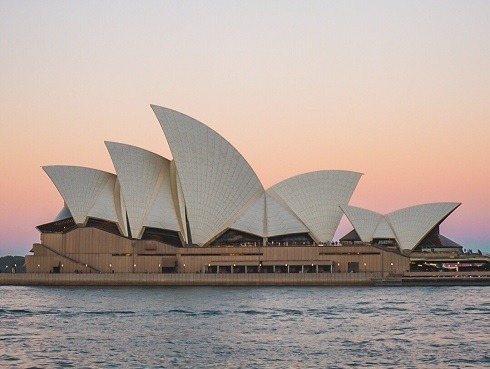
x,y
244,327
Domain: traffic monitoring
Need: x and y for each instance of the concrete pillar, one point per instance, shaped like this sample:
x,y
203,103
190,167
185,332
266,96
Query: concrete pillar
x,y
217,269
317,269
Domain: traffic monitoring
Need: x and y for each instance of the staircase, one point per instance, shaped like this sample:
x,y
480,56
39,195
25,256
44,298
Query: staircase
x,y
72,259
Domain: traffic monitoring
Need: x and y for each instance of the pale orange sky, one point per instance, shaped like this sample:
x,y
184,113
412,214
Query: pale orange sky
x,y
399,91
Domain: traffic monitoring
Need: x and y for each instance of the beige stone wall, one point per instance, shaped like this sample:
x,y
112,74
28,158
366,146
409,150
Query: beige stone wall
x,y
107,253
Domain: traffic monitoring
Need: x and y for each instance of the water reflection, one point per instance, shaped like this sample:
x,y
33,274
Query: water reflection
x,y
244,327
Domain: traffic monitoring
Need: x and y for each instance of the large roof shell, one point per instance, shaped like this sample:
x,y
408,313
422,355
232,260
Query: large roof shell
x,y
217,182
315,198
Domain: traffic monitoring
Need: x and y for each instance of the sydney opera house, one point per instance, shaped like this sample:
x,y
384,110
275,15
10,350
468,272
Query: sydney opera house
x,y
206,211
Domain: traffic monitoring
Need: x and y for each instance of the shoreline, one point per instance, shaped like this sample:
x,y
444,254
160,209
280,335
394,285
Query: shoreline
x,y
256,279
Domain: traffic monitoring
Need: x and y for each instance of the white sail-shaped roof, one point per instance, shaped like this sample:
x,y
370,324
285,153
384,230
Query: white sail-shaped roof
x,y
120,209
162,213
280,220
269,217
412,224
253,219
209,187
383,230
63,214
179,202
103,207
145,185
364,221
315,198
217,182
80,187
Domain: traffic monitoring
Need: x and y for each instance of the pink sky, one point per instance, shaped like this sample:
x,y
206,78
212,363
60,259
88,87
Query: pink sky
x,y
397,91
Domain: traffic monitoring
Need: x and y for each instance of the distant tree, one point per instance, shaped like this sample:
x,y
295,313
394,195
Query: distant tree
x,y
7,262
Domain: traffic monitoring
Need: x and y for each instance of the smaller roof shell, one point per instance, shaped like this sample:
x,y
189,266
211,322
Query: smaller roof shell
x,y
82,188
364,221
412,224
384,230
408,226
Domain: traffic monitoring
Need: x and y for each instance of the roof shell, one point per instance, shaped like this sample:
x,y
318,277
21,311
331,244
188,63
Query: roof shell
x,y
280,219
81,187
217,182
162,213
145,186
103,207
315,198
269,217
384,230
253,219
364,221
63,214
412,224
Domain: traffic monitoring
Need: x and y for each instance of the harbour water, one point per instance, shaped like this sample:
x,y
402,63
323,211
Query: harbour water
x,y
244,327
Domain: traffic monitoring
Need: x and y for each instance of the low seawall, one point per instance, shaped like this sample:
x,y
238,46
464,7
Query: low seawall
x,y
255,279
188,279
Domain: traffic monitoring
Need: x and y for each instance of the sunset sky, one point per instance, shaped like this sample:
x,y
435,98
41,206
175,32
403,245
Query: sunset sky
x,y
399,91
